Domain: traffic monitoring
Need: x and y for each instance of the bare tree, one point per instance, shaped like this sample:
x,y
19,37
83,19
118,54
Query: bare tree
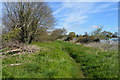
x,y
58,33
28,16
97,32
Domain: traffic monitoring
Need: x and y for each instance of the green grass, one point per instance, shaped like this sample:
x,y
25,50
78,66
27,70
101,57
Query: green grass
x,y
94,63
3,50
62,60
50,62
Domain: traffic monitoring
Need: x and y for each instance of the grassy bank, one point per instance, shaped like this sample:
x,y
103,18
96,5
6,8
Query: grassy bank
x,y
62,60
50,62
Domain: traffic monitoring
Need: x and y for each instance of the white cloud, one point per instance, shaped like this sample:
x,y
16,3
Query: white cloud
x,y
57,11
103,8
74,14
95,26
108,28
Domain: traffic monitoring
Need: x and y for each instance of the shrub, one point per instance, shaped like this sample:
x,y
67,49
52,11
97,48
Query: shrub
x,y
84,40
68,39
96,40
88,39
12,35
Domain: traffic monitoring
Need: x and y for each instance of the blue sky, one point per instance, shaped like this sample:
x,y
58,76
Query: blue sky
x,y
83,17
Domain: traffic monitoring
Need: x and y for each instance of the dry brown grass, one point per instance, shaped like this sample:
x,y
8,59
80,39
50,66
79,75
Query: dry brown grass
x,y
102,46
21,46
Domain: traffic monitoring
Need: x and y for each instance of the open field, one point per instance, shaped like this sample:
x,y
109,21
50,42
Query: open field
x,y
62,60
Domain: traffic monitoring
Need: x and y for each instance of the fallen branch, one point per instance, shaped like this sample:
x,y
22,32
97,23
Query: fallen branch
x,y
11,51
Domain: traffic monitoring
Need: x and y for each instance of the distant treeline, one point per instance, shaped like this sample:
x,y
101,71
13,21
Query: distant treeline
x,y
29,22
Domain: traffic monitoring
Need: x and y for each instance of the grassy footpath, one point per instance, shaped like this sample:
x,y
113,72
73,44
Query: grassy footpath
x,y
62,60
50,62
94,63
